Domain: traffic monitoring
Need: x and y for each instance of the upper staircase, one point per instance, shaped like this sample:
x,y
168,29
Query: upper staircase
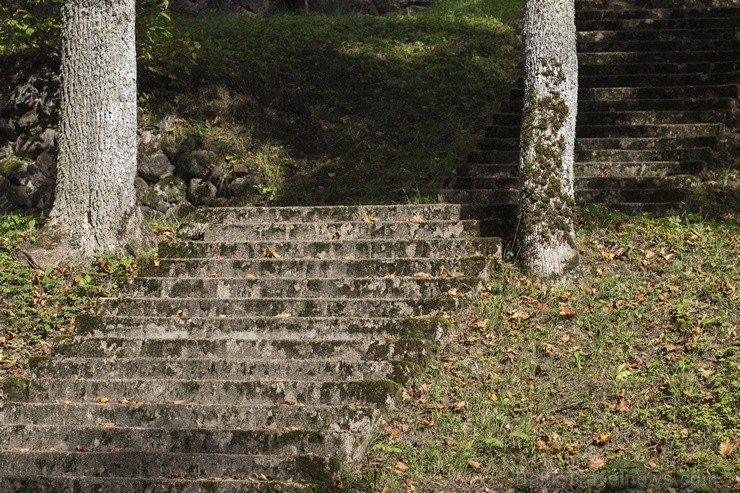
x,y
658,100
254,357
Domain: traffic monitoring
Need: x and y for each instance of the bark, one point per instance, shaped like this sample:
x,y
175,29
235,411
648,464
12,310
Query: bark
x,y
95,207
546,229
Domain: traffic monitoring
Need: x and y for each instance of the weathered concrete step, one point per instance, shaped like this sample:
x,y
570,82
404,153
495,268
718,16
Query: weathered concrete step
x,y
259,215
640,46
314,268
714,33
170,440
330,230
583,196
19,483
293,307
402,349
211,368
402,248
658,24
621,180
663,130
270,328
139,464
626,118
591,169
259,393
614,155
337,288
634,143
725,8
493,156
728,105
669,56
657,80
672,92
218,416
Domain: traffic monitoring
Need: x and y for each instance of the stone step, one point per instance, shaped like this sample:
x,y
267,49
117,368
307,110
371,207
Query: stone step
x,y
269,328
654,34
133,464
599,155
634,143
628,117
380,393
674,92
329,231
379,248
337,288
210,368
206,416
657,80
313,268
662,68
642,24
354,349
583,184
653,56
609,105
663,130
641,46
591,169
260,215
19,483
108,436
667,11
583,196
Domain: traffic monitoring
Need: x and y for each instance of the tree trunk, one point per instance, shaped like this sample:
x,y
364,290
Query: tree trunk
x,y
546,231
95,208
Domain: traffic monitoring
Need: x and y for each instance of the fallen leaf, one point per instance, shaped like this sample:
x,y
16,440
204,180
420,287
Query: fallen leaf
x,y
566,311
249,276
651,464
270,427
458,406
729,447
595,463
114,449
128,400
400,467
519,315
284,315
422,275
270,253
107,424
213,275
178,402
336,236
600,438
101,399
80,448
156,262
369,218
474,464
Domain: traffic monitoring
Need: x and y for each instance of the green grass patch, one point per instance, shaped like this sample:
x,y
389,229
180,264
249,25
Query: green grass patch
x,y
628,374
346,109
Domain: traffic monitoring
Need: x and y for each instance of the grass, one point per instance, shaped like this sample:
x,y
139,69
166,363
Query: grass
x,y
630,372
342,110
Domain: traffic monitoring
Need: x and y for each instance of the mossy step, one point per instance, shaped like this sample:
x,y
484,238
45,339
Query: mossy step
x,y
171,440
19,483
213,368
638,143
258,215
729,9
641,46
336,288
672,153
685,104
649,117
160,466
329,231
663,68
505,214
714,33
337,249
218,416
291,307
653,56
314,268
260,393
619,180
270,328
650,23
585,169
583,196
641,7
355,349
663,130
658,80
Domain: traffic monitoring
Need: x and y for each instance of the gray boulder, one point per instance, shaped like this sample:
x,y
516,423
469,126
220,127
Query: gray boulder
x,y
154,167
197,164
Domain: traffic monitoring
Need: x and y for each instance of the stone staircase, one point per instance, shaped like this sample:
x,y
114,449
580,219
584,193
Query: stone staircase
x,y
659,84
255,357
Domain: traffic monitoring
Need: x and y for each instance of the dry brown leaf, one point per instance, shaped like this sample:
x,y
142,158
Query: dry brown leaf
x,y
600,438
178,402
729,447
422,275
566,311
107,424
400,467
249,276
519,315
101,399
474,464
284,315
595,463
369,218
270,253
128,400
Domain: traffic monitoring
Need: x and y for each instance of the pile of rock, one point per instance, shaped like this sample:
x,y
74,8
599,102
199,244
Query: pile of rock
x,y
172,176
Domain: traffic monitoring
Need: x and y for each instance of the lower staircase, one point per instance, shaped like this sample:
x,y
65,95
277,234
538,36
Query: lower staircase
x,y
255,357
658,104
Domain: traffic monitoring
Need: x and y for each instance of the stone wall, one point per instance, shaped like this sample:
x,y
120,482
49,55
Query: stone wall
x,y
173,174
